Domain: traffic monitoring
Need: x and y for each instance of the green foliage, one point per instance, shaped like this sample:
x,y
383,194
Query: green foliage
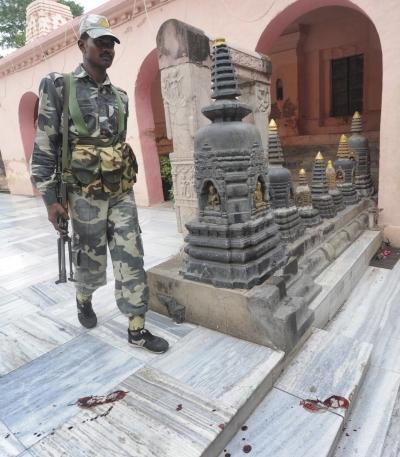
x,y
166,177
13,20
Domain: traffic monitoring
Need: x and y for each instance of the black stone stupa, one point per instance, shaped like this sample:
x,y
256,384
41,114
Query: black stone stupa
x,y
234,242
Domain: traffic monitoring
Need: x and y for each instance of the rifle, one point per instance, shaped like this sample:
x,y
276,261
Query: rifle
x,y
61,193
64,238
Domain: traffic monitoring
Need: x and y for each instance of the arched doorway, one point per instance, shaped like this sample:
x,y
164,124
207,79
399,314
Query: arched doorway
x,y
151,125
28,114
327,63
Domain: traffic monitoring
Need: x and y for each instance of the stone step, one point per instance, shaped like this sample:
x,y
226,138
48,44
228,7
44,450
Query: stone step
x,y
340,278
371,315
328,364
188,402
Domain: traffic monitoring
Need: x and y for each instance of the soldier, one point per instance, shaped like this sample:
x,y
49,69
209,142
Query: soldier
x,y
100,175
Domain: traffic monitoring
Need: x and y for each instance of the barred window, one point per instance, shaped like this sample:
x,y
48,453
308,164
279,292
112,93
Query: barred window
x,y
347,85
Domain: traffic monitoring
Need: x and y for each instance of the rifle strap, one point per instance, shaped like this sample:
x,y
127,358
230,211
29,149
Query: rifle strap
x,y
65,146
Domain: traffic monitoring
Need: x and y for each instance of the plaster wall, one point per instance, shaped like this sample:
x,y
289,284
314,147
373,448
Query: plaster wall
x,y
250,24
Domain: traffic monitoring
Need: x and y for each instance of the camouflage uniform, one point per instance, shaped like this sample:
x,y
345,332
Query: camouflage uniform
x,y
101,201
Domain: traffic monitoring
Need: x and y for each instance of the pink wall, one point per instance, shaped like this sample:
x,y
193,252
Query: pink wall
x,y
151,165
27,119
302,56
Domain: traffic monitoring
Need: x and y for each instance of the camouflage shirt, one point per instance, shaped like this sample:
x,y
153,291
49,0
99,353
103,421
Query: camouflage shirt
x,y
99,109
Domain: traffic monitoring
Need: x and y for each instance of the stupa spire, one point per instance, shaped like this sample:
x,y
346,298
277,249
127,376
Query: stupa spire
x,y
356,123
275,152
343,149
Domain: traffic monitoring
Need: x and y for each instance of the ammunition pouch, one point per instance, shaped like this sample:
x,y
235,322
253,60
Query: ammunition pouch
x,y
110,169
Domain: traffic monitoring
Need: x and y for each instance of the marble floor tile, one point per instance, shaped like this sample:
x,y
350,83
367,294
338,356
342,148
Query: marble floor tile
x,y
360,317
159,417
391,446
370,417
47,293
114,332
219,365
30,337
9,445
280,427
35,399
12,307
328,364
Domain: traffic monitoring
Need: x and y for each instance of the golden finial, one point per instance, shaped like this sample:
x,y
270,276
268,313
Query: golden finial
x,y
319,156
218,42
272,125
330,176
302,177
356,115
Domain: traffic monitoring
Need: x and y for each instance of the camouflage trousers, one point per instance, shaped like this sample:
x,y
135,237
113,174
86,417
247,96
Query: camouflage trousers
x,y
109,220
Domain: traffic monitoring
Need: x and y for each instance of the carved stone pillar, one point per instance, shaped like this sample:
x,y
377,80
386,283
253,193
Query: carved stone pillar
x,y
184,59
254,74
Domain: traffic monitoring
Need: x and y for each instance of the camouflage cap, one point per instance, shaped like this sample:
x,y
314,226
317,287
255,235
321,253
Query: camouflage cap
x,y
96,26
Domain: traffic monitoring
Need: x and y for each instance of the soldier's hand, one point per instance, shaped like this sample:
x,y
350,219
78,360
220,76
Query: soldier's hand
x,y
55,211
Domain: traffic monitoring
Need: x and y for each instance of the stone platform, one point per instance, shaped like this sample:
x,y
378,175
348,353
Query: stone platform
x,y
276,313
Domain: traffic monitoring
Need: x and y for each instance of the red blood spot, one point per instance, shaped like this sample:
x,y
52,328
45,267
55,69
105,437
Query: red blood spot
x,y
221,426
89,402
337,402
244,428
179,407
247,448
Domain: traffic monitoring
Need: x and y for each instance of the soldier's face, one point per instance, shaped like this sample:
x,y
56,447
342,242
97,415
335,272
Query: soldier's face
x,y
98,52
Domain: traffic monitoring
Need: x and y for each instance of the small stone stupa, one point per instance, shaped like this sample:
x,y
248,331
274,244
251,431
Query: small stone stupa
x,y
321,198
333,190
234,242
344,167
358,144
44,16
281,189
303,200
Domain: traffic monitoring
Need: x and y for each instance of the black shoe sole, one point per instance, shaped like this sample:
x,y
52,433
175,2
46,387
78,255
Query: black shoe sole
x,y
87,322
147,349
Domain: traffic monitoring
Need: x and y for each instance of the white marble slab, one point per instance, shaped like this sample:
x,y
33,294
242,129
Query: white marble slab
x,y
47,293
34,399
12,307
392,440
159,417
340,278
328,364
30,337
280,427
114,332
9,445
362,313
220,365
369,420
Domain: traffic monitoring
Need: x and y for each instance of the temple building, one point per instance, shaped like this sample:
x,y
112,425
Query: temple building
x,y
308,65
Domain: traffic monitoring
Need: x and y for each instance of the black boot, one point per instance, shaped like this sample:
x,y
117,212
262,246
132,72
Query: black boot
x,y
144,339
87,317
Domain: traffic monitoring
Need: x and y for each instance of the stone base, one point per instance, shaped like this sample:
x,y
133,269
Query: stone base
x,y
258,315
276,313
349,192
310,216
325,205
337,199
238,255
290,223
